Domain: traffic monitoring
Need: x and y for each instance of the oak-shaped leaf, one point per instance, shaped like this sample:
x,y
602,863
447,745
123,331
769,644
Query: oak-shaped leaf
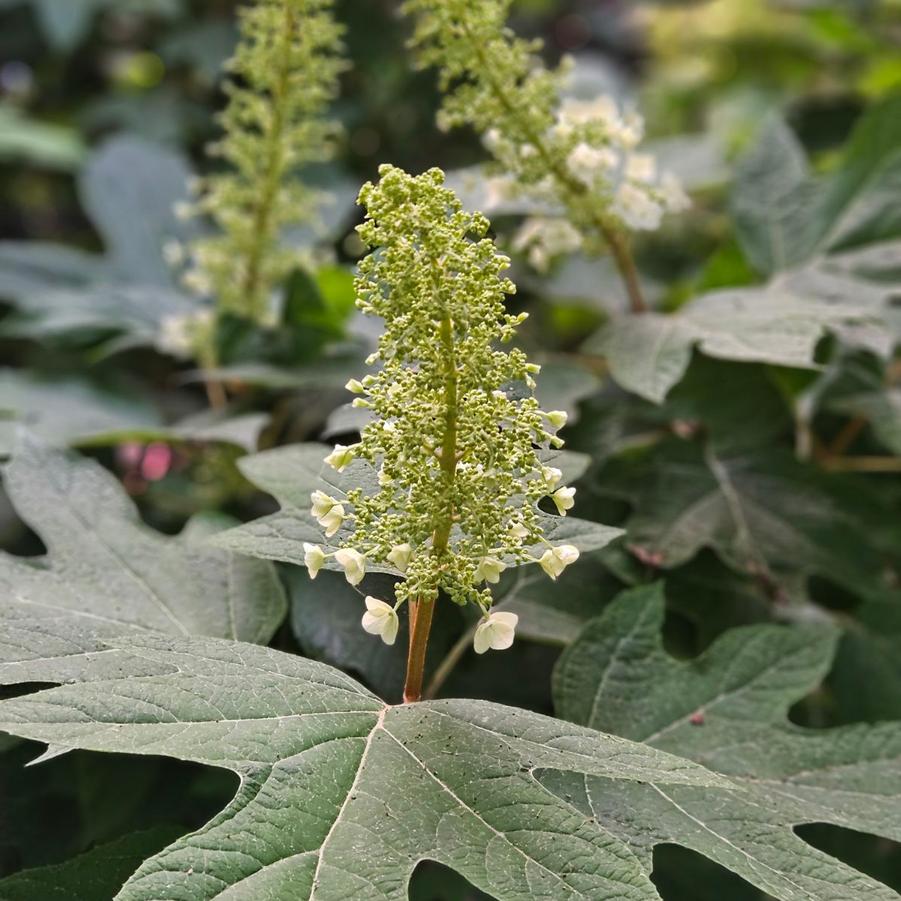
x,y
728,709
341,796
106,572
761,511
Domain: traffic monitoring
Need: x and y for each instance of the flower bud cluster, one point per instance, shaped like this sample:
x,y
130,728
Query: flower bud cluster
x,y
579,157
455,433
285,74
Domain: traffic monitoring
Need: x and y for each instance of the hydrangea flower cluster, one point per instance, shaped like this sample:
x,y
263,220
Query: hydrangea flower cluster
x,y
576,156
454,438
285,73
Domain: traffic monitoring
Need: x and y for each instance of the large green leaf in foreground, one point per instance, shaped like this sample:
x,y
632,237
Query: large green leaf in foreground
x,y
728,710
341,796
106,572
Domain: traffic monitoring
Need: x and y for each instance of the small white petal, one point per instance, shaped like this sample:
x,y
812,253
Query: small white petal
x,y
354,564
380,619
563,499
400,556
496,632
333,520
554,560
313,558
340,457
489,570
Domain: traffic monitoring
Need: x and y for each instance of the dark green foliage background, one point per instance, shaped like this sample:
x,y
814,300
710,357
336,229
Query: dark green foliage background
x,y
758,488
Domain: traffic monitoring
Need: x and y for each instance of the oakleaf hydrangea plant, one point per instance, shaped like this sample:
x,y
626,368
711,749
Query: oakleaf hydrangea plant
x,y
284,75
453,437
578,158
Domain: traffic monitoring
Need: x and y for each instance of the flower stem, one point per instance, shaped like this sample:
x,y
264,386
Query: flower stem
x,y
421,613
615,239
274,164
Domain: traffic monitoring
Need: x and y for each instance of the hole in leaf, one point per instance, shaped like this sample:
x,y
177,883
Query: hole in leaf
x,y
64,806
878,857
434,882
680,873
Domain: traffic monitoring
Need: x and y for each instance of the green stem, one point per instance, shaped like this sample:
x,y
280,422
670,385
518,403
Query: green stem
x,y
423,610
272,177
421,613
615,239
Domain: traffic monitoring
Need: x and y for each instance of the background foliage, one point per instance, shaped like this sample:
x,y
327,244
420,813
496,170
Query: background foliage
x,y
746,434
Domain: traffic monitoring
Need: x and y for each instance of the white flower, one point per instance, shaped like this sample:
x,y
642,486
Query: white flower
x,y
557,418
340,457
672,194
554,560
518,532
495,631
628,131
489,570
355,386
380,619
354,564
546,238
563,499
328,512
400,556
173,252
587,163
551,476
601,109
180,333
637,208
313,558
641,167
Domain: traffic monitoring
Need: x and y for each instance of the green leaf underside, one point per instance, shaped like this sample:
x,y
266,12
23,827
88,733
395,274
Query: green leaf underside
x,y
761,512
292,473
341,796
728,710
649,354
106,572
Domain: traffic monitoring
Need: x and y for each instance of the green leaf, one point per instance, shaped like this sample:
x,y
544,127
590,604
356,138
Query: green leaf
x,y
292,473
32,267
728,709
860,203
136,310
760,511
38,143
771,198
95,875
73,413
340,795
66,411
129,189
107,572
649,354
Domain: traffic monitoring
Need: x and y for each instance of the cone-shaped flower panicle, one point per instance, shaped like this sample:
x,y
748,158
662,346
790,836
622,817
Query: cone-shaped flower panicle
x,y
450,477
